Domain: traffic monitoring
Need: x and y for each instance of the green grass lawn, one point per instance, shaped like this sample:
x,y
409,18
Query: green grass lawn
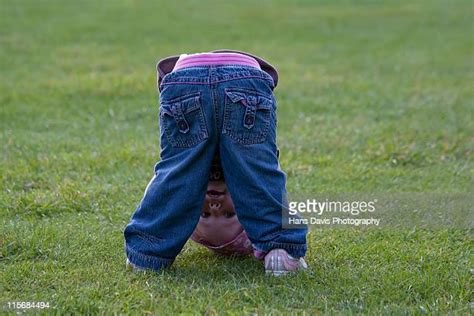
x,y
374,96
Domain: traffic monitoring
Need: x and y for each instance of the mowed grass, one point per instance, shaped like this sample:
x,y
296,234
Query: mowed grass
x,y
373,97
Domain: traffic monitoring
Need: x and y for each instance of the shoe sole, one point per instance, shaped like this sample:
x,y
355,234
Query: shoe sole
x,y
279,264
278,273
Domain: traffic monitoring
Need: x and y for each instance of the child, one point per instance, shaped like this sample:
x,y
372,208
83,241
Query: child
x,y
218,228
215,102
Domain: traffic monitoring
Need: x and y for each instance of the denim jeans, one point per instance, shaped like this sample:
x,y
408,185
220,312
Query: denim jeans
x,y
232,109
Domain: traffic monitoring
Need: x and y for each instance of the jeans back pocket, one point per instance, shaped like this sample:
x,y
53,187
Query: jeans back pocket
x,y
248,115
183,120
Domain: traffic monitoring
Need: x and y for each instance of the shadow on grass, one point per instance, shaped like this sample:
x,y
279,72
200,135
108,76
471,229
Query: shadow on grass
x,y
196,267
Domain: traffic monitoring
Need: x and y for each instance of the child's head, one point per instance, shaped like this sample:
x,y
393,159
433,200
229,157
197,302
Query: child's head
x,y
218,228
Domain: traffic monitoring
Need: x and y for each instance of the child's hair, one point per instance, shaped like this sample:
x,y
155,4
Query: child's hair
x,y
217,173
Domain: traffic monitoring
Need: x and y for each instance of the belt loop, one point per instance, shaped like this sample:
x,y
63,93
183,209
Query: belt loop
x,y
212,76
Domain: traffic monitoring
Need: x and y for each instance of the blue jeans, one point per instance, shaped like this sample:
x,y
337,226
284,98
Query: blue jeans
x,y
203,109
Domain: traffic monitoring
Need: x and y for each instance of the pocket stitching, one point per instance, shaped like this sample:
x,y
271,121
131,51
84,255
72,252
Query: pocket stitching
x,y
192,139
227,127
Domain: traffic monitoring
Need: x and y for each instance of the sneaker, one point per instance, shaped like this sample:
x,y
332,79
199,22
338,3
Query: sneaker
x,y
130,266
279,262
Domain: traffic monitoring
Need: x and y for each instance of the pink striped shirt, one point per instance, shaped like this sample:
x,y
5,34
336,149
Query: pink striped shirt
x,y
206,59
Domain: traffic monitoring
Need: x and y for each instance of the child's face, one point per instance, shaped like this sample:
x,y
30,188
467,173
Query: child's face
x,y
218,222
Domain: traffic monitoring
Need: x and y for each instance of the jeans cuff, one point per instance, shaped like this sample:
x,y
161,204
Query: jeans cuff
x,y
147,262
294,250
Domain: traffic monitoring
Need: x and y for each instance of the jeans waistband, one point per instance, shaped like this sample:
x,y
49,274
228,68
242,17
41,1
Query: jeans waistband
x,y
206,59
211,74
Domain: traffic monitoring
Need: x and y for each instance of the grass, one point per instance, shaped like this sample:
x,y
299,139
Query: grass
x,y
373,97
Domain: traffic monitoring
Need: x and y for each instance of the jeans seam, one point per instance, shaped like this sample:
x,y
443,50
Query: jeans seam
x,y
286,245
215,110
293,249
146,259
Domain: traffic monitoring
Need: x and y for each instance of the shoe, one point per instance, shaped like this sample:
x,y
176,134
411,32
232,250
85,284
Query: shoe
x,y
130,266
278,262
